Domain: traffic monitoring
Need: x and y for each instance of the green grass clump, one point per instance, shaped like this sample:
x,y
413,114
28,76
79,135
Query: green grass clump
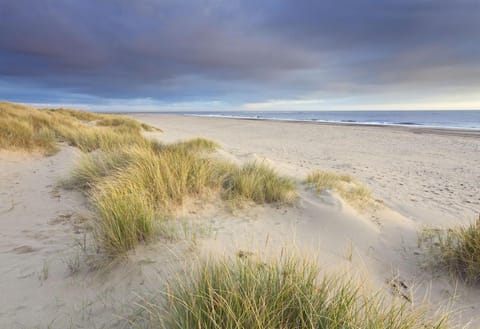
x,y
166,176
144,187
287,294
126,216
455,250
346,186
171,175
93,167
259,183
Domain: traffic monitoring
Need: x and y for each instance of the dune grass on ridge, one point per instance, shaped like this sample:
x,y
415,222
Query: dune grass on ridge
x,y
30,129
126,216
455,250
165,177
134,182
259,183
287,293
346,186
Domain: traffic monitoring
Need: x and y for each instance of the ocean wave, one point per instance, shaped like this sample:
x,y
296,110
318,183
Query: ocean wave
x,y
370,118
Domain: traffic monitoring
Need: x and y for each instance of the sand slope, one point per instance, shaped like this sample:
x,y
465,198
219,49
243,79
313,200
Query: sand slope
x,y
425,177
429,175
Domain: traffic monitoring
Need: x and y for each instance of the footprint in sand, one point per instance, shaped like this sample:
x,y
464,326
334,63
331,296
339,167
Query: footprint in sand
x,y
399,288
23,249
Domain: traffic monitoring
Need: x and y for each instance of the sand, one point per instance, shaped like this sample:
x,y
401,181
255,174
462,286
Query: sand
x,y
423,177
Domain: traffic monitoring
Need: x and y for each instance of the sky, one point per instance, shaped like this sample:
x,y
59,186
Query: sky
x,y
179,55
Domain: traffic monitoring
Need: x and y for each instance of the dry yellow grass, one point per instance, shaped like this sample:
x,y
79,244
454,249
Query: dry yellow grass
x,y
158,180
287,293
93,167
259,183
134,183
197,145
126,215
346,186
30,129
455,250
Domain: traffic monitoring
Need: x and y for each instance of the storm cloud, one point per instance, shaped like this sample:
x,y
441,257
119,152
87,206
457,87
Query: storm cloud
x,y
237,51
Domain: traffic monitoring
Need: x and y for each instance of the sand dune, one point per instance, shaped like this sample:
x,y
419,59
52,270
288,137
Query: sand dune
x,y
421,177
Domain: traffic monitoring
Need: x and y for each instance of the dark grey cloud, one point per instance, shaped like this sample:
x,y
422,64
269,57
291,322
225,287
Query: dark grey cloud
x,y
238,50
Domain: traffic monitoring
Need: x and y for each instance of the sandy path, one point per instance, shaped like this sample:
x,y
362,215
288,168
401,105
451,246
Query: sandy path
x,y
36,234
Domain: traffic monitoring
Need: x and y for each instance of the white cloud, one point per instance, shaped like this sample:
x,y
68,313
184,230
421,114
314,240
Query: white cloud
x,y
281,104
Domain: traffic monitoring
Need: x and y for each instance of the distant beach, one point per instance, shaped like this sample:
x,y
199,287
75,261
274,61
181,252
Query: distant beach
x,y
428,119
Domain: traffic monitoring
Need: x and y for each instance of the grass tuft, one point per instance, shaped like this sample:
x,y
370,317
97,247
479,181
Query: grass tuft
x,y
126,216
172,175
346,186
25,134
259,183
93,167
197,145
455,250
165,177
287,293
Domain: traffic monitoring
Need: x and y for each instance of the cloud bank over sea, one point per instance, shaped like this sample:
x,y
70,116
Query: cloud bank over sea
x,y
241,54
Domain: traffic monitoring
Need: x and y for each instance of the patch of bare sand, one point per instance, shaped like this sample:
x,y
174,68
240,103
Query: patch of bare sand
x,y
46,279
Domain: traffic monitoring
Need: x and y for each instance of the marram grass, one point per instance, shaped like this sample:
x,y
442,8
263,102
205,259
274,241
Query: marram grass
x,y
280,294
133,182
165,178
92,167
30,129
455,250
259,183
197,145
126,216
346,186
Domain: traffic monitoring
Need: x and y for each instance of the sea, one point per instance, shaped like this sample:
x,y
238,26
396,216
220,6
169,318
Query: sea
x,y
433,119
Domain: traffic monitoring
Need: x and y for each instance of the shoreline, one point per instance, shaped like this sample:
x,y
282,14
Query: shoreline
x,y
417,129
414,170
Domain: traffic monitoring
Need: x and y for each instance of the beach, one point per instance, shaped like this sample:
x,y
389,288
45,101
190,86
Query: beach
x,y
419,178
428,175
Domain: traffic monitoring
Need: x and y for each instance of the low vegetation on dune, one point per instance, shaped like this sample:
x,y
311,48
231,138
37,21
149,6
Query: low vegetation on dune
x,y
287,293
29,129
259,183
196,145
126,216
93,167
156,180
21,130
346,186
133,182
455,250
